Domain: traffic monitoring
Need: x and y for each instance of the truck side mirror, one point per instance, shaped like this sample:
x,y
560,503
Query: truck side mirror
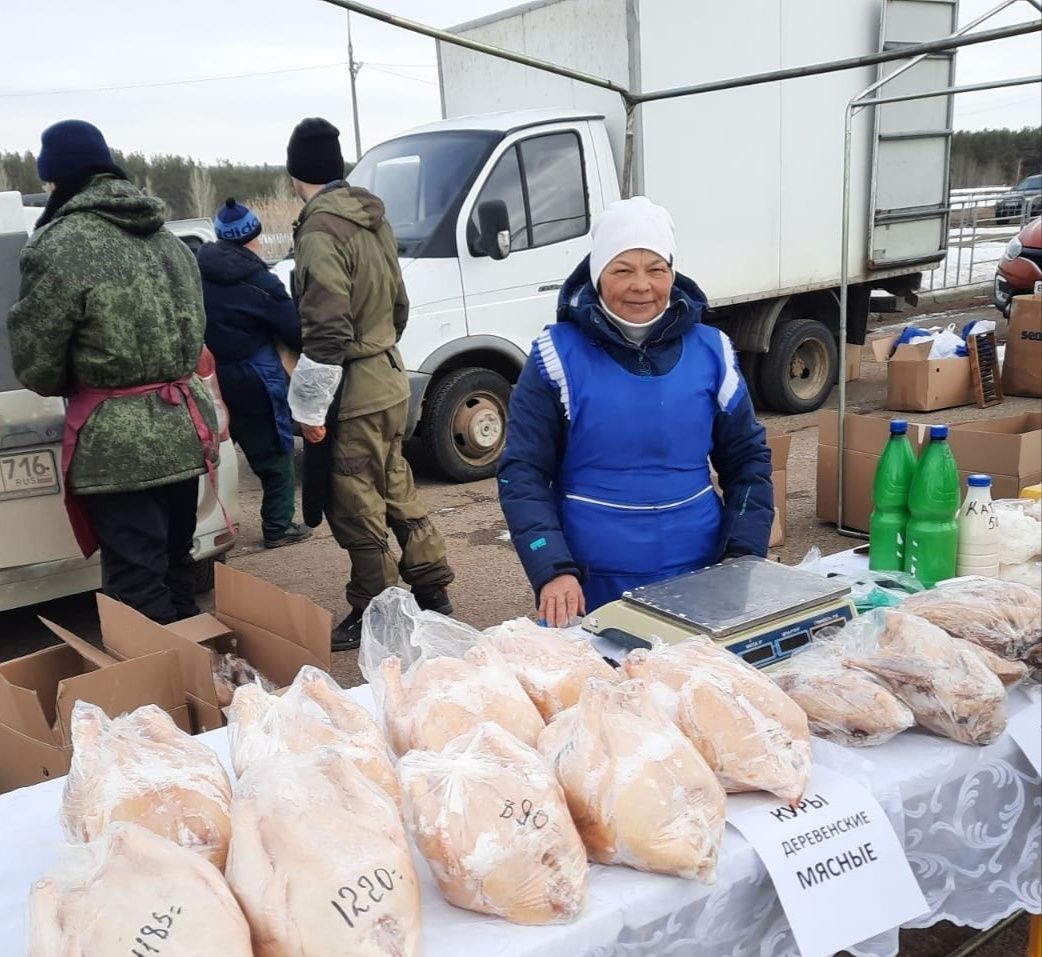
x,y
494,221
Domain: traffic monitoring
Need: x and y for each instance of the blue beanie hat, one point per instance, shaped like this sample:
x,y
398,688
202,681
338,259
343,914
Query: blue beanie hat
x,y
236,223
73,148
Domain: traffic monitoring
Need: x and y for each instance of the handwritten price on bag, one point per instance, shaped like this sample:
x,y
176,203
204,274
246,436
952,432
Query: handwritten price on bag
x,y
375,887
525,814
156,934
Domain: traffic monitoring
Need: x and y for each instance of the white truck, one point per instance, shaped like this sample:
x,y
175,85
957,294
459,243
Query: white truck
x,y
492,206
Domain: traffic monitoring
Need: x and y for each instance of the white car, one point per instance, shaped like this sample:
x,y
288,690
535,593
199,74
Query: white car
x,y
39,558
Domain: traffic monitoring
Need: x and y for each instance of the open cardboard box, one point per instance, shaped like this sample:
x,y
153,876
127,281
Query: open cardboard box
x,y
917,383
38,691
275,631
779,446
1009,449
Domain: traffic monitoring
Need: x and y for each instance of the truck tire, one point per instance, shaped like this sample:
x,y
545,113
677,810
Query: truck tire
x,y
465,423
751,365
798,371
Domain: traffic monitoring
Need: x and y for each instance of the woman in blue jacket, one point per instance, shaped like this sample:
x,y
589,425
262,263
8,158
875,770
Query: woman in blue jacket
x,y
247,311
619,410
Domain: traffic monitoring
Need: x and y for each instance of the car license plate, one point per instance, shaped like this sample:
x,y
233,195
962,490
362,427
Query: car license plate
x,y
24,474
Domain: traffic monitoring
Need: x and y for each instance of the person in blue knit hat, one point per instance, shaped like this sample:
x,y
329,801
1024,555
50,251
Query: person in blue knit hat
x,y
248,312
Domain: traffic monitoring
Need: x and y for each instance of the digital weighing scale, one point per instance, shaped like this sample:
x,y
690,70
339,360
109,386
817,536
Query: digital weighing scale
x,y
760,610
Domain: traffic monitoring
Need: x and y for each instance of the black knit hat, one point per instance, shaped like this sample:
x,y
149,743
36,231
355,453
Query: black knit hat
x,y
313,155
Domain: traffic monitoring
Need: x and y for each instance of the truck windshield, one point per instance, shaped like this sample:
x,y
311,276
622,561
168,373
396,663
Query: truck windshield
x,y
421,179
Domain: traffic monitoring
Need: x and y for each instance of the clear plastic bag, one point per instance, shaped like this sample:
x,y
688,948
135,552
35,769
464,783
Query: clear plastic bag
x,y
844,705
640,791
551,664
143,769
434,678
868,589
949,684
749,731
131,887
1020,529
319,860
312,712
1002,616
491,820
311,390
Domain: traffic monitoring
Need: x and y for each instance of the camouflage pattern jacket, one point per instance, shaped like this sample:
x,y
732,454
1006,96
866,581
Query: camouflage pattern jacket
x,y
110,299
351,297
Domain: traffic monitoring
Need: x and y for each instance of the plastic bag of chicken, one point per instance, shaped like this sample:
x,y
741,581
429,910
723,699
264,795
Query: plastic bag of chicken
x,y
844,705
1002,616
491,820
953,687
144,769
313,711
753,736
132,892
639,791
434,678
319,861
552,664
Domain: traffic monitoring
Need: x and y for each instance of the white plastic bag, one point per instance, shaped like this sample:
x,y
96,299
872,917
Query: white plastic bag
x,y
311,390
144,769
491,820
1020,529
947,344
434,678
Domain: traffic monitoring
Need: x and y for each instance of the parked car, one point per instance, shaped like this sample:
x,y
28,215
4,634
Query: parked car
x,y
1020,266
1021,202
39,558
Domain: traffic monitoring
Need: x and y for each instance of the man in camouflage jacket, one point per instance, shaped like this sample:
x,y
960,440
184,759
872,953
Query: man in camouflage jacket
x,y
110,300
353,310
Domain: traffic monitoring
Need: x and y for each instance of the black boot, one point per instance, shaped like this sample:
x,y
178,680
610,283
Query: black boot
x,y
347,636
288,536
433,599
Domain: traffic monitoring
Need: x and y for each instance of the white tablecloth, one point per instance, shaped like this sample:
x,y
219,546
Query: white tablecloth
x,y
970,819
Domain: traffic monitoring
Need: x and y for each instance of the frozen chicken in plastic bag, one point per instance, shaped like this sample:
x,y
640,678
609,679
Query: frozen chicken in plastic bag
x,y
313,711
491,820
551,664
434,678
947,682
842,704
753,735
319,860
1004,617
144,769
134,892
639,791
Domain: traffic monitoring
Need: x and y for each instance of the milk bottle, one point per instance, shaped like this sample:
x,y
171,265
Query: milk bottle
x,y
978,531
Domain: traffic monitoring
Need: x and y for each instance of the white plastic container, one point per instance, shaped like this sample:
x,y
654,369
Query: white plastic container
x,y
978,531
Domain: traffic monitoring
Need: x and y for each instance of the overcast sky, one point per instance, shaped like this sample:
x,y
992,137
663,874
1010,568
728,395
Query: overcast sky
x,y
143,71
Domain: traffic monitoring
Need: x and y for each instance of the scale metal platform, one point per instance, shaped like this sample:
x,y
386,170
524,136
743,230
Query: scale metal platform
x,y
760,610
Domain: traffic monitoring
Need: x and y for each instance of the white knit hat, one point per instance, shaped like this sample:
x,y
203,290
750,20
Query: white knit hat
x,y
635,223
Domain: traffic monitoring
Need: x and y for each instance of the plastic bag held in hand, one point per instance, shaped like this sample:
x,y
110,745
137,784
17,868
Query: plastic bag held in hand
x,y
491,820
434,678
311,390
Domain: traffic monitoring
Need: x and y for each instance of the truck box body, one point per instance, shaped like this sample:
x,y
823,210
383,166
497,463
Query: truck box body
x,y
752,176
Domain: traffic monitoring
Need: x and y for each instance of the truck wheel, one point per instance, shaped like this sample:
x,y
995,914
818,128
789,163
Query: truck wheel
x,y
751,365
798,371
464,423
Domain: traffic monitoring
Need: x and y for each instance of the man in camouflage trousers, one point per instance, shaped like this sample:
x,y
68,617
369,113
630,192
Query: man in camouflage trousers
x,y
110,315
353,310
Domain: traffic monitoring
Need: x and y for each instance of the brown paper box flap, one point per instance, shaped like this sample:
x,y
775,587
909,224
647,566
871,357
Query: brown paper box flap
x,y
128,634
881,347
240,599
779,446
864,433
199,628
1010,445
21,710
84,649
913,352
28,761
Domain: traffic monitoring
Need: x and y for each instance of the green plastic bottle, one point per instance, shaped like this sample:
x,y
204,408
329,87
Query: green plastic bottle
x,y
894,473
932,539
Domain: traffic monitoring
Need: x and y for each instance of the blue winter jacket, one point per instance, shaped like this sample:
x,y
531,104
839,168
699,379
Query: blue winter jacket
x,y
538,428
247,311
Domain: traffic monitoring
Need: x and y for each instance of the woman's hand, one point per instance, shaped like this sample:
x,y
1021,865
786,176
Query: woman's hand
x,y
313,433
561,601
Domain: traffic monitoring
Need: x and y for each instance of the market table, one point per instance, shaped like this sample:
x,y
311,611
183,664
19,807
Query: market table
x,y
970,820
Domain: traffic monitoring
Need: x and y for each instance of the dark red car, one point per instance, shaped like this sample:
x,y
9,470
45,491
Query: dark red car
x,y
1020,266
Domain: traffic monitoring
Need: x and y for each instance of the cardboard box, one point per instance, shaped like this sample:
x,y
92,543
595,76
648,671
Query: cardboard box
x,y
1022,366
853,364
1008,449
779,446
38,691
275,631
917,383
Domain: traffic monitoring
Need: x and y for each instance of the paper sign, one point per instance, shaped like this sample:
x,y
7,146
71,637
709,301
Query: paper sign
x,y
1025,727
838,868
